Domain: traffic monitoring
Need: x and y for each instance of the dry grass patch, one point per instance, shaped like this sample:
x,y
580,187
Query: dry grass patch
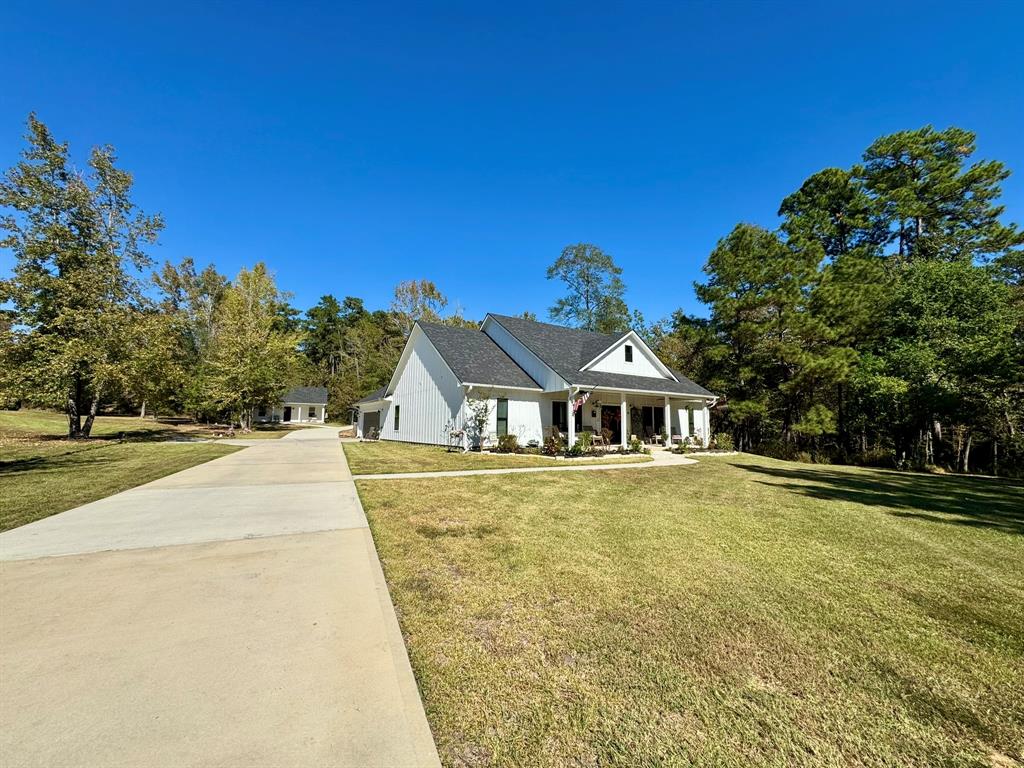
x,y
741,611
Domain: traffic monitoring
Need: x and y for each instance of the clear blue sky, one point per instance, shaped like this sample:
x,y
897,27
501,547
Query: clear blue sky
x,y
353,146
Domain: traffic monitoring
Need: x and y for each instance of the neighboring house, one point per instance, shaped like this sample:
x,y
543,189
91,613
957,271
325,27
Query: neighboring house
x,y
535,375
299,404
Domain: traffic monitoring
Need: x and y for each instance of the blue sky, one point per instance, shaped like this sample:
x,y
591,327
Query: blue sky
x,y
353,146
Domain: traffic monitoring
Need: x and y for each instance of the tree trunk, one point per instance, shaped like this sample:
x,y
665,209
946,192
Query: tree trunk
x,y
967,451
93,407
142,410
74,418
75,408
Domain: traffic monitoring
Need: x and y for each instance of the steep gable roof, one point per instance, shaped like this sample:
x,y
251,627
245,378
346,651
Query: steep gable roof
x,y
475,358
306,395
563,350
567,350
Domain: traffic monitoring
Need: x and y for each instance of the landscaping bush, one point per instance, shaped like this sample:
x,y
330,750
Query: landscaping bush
x,y
507,444
636,445
586,442
723,441
553,445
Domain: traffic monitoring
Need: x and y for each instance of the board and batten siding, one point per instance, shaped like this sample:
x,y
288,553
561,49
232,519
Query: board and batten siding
x,y
614,361
528,414
526,359
428,394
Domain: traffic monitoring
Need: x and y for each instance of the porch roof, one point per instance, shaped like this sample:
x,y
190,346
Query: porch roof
x,y
641,384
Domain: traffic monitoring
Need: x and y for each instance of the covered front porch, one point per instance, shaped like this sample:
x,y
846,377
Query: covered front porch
x,y
621,416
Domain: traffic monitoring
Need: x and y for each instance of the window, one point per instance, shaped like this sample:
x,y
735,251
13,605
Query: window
x,y
560,416
502,416
312,411
262,412
629,353
397,409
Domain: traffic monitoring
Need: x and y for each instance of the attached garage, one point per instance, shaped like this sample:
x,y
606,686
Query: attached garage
x,y
371,422
370,417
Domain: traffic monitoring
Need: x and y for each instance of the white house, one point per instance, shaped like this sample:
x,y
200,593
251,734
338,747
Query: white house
x,y
299,405
535,375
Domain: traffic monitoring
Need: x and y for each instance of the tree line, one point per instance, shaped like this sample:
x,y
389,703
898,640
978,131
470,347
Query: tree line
x,y
881,322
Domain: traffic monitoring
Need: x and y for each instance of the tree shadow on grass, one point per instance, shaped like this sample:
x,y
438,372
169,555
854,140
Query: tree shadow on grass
x,y
54,461
141,434
977,502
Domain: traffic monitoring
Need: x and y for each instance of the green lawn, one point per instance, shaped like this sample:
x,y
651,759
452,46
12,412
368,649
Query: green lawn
x,y
741,611
42,474
29,423
380,457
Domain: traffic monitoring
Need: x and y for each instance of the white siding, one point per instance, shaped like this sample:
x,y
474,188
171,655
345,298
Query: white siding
x,y
428,395
528,414
528,361
614,361
299,413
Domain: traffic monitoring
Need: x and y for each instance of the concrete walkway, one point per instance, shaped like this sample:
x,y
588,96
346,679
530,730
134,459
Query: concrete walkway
x,y
659,458
234,614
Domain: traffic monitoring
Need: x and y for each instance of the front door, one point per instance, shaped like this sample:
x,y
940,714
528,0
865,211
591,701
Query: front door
x,y
611,419
287,413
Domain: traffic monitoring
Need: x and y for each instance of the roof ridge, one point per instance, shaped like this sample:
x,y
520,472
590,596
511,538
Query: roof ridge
x,y
614,336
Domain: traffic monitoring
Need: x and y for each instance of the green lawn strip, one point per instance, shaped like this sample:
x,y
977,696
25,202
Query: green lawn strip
x,y
388,457
742,611
38,424
29,423
42,477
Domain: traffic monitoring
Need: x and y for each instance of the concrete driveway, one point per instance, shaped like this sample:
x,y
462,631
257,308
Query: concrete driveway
x,y
233,614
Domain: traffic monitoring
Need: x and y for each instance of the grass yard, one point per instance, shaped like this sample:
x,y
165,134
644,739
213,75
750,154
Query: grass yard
x,y
742,611
43,424
379,457
42,474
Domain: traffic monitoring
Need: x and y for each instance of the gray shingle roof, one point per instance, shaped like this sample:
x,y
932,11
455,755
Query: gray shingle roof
x,y
567,350
475,358
317,395
377,394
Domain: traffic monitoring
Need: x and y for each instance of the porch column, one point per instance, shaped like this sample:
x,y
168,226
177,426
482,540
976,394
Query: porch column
x,y
705,420
571,418
624,425
667,424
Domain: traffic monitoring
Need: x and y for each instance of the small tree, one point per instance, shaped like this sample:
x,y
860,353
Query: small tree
x,y
479,416
78,241
252,359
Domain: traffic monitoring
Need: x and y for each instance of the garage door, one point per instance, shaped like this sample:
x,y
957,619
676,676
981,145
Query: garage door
x,y
371,422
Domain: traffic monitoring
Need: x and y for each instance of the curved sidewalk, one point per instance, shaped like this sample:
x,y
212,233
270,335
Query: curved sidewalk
x,y
658,459
234,614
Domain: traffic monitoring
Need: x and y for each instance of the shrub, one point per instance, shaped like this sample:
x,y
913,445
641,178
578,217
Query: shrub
x,y
507,444
636,445
553,445
723,441
585,441
576,449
